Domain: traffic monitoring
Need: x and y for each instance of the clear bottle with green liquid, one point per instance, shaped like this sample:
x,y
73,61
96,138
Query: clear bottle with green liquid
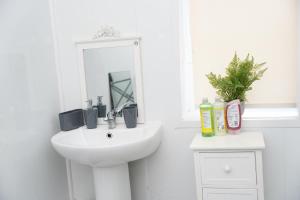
x,y
219,117
207,118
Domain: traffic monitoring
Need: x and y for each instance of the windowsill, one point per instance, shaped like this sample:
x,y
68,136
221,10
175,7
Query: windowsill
x,y
270,113
253,118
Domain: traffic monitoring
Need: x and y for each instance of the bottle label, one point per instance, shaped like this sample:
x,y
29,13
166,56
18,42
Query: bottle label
x,y
233,116
220,122
206,119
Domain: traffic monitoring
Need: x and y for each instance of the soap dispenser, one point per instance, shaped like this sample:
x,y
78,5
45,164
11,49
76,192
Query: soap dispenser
x,y
91,115
101,108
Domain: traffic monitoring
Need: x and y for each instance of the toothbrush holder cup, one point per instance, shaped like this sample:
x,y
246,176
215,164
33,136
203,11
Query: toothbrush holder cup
x,y
130,116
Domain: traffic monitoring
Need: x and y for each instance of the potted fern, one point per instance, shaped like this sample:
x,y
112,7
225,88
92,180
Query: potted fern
x,y
240,75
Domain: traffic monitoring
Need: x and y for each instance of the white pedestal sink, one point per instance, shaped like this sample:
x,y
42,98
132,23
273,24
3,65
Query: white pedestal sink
x,y
108,152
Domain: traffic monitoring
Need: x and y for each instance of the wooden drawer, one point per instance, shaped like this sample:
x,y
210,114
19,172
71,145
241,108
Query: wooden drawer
x,y
228,169
229,194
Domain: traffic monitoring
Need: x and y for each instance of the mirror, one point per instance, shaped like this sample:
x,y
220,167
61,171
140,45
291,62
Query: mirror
x,y
112,69
108,73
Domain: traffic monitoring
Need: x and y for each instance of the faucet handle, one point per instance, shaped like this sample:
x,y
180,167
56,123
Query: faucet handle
x,y
111,119
111,115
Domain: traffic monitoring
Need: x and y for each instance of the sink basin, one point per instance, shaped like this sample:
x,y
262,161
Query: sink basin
x,y
108,151
102,147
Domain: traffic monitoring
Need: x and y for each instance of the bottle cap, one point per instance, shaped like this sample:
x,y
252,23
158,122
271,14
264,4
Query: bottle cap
x,y
205,100
218,99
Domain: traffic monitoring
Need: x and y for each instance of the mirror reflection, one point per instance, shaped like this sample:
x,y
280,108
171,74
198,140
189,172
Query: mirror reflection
x,y
121,92
109,72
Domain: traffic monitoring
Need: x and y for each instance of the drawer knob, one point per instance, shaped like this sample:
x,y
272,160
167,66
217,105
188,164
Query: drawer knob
x,y
227,169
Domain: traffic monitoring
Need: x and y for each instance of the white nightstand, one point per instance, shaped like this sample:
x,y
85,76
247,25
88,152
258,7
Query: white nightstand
x,y
229,167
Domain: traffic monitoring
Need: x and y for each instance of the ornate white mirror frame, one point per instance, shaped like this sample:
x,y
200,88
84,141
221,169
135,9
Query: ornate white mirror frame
x,y
107,42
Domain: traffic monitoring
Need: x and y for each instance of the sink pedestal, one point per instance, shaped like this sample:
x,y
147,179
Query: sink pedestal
x,y
109,156
112,183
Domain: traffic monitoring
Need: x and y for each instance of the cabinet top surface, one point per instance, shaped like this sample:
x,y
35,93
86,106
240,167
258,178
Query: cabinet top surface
x,y
241,141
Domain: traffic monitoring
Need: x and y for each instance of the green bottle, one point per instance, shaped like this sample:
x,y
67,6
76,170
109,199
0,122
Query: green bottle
x,y
207,118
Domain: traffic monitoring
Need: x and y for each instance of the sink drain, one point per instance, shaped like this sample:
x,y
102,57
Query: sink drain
x,y
109,135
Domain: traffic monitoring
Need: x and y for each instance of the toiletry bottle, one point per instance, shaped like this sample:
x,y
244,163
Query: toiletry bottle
x,y
206,116
91,115
233,116
101,108
219,117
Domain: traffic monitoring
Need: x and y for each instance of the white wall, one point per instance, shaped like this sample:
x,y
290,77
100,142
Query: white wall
x,y
29,167
169,173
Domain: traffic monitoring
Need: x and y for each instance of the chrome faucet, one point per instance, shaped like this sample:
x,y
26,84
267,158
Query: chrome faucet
x,y
111,119
111,115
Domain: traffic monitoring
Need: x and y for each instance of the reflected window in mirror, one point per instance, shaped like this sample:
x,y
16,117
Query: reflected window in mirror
x,y
121,92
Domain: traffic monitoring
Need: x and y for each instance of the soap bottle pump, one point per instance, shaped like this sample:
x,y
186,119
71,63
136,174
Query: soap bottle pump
x,y
101,108
91,115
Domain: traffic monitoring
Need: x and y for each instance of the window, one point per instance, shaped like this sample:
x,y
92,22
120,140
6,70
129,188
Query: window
x,y
267,29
